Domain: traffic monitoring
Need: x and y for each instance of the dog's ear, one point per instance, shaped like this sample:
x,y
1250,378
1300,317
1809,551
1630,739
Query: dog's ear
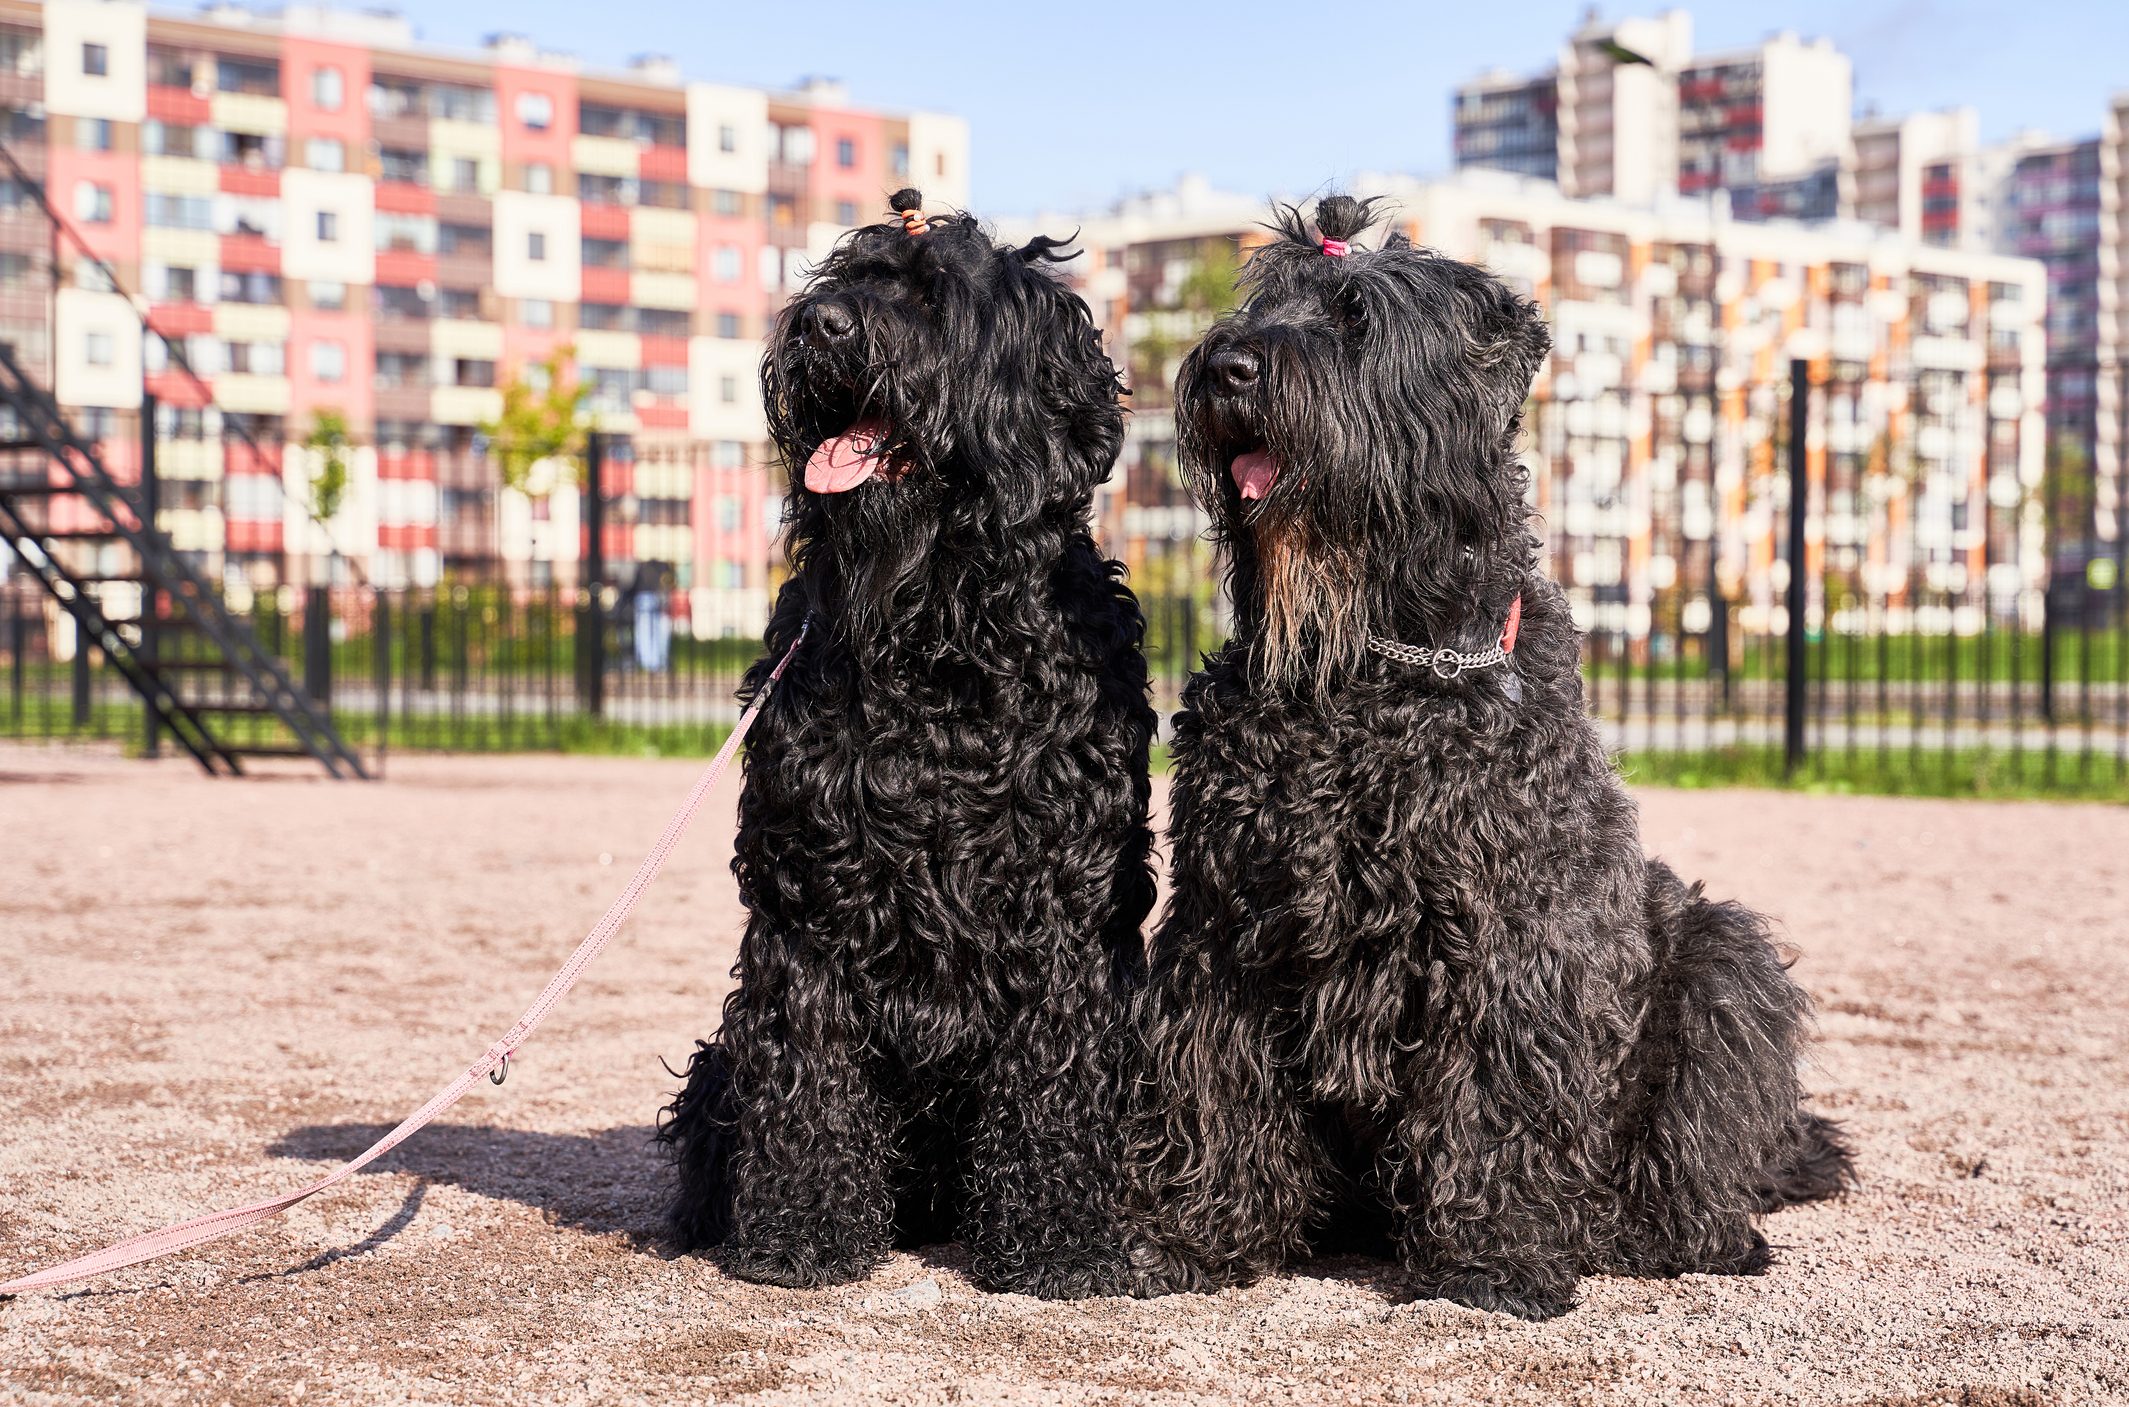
x,y
1510,347
1078,420
1043,250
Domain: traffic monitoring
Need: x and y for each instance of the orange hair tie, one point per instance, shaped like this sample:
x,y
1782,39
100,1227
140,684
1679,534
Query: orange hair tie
x,y
913,222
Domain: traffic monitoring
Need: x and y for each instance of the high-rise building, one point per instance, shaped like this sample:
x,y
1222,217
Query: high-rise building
x,y
2056,211
1653,434
323,215
1601,121
1765,120
1510,122
1922,175
1619,106
1627,111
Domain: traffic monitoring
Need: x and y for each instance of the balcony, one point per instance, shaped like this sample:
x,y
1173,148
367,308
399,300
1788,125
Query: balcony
x,y
248,253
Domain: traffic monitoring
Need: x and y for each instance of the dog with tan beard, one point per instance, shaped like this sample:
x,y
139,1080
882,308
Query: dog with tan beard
x,y
1416,978
943,848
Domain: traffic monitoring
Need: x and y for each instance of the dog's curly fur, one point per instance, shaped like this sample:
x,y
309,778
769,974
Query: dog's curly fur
x,y
1415,966
943,846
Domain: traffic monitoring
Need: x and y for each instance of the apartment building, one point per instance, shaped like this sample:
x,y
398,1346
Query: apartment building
x,y
1769,124
1627,111
323,214
1653,437
1920,174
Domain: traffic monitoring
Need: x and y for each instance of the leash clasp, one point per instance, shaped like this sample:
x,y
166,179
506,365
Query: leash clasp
x,y
501,1072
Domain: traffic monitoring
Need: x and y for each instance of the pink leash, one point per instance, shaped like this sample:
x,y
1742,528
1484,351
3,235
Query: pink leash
x,y
494,1062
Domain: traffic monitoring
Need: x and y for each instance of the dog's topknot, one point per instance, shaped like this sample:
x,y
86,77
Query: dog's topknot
x,y
905,200
1343,217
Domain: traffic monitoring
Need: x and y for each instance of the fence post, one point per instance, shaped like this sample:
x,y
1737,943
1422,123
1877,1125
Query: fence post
x,y
591,617
151,503
82,680
2049,594
19,643
318,644
1717,646
381,617
1798,683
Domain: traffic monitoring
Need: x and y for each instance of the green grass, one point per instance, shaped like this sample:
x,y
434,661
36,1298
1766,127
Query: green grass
x,y
1962,773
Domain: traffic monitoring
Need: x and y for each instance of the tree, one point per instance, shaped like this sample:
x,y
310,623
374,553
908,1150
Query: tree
x,y
329,442
1205,294
540,429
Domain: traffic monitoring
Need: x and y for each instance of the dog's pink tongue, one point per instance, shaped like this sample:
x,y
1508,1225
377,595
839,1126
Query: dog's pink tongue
x,y
1254,473
846,461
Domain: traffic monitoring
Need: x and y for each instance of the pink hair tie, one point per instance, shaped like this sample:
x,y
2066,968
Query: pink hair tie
x,y
1336,248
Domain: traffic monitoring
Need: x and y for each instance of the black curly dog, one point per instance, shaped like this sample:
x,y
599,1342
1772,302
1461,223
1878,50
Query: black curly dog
x,y
1415,967
943,846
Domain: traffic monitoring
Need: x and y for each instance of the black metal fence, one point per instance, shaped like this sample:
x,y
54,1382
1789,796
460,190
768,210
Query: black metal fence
x,y
1898,659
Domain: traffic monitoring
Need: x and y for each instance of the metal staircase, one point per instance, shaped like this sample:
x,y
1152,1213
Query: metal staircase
x,y
43,460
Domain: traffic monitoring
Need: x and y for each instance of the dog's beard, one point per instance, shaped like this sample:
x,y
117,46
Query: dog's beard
x,y
1313,622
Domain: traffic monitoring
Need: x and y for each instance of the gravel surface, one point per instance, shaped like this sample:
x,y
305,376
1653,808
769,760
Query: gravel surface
x,y
215,990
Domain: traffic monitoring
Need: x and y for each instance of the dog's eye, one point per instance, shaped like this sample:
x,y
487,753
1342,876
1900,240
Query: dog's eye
x,y
1352,312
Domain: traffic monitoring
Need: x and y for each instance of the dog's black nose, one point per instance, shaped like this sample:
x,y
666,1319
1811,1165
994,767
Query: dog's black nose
x,y
825,324
1235,368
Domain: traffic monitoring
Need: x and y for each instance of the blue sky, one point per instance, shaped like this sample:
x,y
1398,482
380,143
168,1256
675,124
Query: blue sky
x,y
1073,102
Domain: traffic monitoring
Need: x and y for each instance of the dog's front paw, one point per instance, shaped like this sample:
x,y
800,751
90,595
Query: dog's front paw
x,y
1742,1252
1158,1269
798,1267
1498,1292
1088,1276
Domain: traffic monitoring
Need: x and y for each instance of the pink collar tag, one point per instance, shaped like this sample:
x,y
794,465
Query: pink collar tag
x,y
1336,248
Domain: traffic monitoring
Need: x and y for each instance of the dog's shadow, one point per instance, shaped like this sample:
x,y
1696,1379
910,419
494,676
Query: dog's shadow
x,y
616,1182
612,1181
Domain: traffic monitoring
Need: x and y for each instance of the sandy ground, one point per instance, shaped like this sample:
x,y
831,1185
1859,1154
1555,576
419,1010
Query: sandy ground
x,y
213,991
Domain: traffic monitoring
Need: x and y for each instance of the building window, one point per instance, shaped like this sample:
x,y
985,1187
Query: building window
x,y
328,361
328,297
728,138
98,349
726,202
261,78
939,164
324,154
253,150
539,178
535,312
846,212
92,203
328,227
536,246
797,145
92,133
181,285
846,153
328,89
166,139
465,174
728,390
728,325
254,287
725,264
96,60
900,160
535,110
403,165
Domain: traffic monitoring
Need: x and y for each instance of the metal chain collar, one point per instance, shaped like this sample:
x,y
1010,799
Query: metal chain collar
x,y
1446,664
